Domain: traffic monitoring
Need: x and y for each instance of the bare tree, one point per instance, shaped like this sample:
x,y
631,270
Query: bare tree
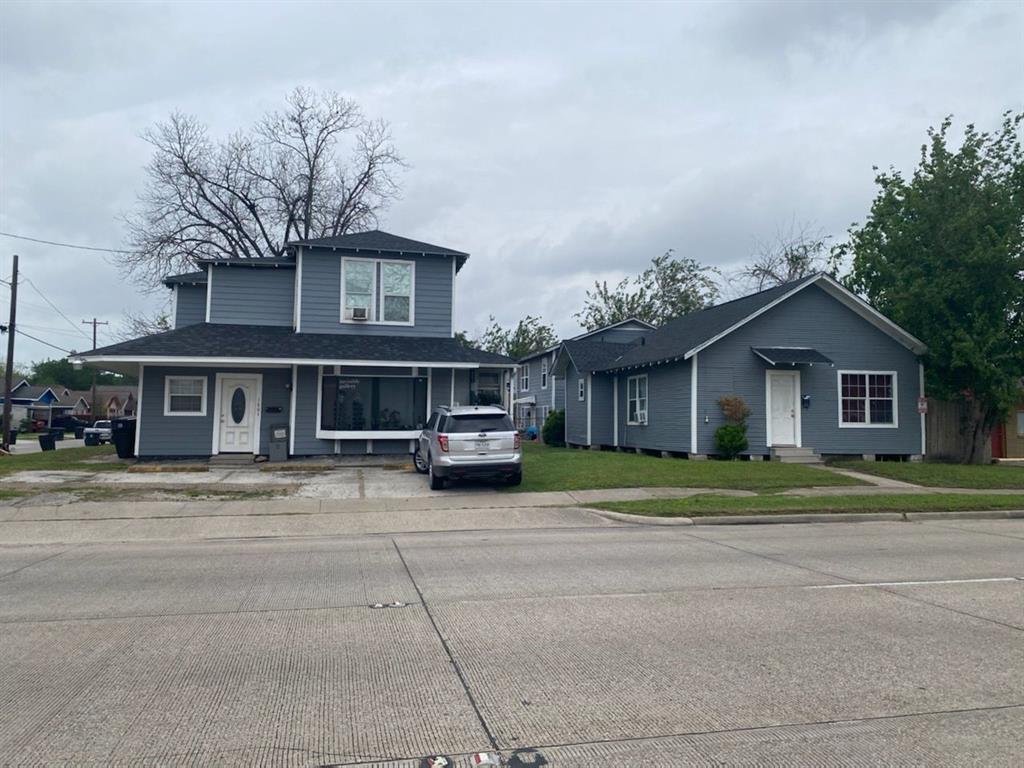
x,y
135,325
248,195
799,252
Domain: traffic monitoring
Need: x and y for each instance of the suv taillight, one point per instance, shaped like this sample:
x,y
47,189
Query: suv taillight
x,y
518,441
442,440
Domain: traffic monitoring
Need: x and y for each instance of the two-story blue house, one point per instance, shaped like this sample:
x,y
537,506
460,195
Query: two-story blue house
x,y
347,341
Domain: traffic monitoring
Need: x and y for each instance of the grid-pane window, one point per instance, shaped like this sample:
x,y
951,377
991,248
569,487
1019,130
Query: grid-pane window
x,y
185,395
396,290
544,374
867,398
636,400
524,378
359,280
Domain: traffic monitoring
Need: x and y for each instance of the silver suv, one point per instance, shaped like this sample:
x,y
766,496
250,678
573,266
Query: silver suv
x,y
469,441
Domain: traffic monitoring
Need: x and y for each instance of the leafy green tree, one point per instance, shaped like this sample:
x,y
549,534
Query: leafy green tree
x,y
463,338
669,288
50,372
941,254
530,335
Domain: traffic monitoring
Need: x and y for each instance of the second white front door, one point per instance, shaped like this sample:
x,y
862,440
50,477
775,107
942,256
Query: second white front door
x,y
783,405
239,403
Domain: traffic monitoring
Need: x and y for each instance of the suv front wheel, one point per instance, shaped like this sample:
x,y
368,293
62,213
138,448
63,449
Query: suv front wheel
x,y
436,482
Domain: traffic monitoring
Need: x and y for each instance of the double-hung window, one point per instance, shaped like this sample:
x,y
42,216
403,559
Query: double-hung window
x,y
636,399
581,389
524,378
377,291
544,374
185,396
867,399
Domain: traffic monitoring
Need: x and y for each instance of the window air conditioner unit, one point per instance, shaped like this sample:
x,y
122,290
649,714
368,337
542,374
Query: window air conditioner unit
x,y
359,313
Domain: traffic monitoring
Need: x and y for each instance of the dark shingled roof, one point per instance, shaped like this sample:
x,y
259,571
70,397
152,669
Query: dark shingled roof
x,y
377,241
590,355
244,342
185,279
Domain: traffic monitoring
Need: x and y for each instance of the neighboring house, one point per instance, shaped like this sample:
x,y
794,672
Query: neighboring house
x,y
114,400
538,391
1008,438
346,343
31,401
821,371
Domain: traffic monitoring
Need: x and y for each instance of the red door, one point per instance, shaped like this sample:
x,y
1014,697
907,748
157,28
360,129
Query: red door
x,y
998,443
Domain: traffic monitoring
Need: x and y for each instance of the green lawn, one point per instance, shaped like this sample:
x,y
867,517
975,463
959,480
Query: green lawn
x,y
944,475
712,504
62,458
564,469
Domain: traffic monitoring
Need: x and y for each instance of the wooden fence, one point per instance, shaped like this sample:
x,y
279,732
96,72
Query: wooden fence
x,y
943,423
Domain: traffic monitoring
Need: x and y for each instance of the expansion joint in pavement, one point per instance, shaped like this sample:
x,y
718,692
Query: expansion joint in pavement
x,y
447,649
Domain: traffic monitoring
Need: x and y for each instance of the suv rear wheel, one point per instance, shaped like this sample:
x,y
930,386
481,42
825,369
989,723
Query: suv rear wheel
x,y
436,482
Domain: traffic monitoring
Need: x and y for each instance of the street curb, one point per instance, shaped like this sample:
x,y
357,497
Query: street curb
x,y
839,517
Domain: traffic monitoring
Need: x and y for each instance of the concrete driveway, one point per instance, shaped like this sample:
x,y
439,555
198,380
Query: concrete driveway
x,y
592,645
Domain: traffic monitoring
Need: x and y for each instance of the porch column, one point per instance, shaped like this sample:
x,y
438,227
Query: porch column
x,y
451,400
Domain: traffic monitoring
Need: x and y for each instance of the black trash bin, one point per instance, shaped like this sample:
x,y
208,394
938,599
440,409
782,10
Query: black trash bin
x,y
93,438
79,433
58,434
46,441
122,433
12,437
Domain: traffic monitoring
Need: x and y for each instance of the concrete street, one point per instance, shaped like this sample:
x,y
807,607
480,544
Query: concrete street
x,y
553,635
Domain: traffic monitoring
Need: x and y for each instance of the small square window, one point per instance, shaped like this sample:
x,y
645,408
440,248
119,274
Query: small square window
x,y
581,391
185,396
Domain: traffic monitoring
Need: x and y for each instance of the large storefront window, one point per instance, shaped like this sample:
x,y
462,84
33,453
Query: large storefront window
x,y
373,403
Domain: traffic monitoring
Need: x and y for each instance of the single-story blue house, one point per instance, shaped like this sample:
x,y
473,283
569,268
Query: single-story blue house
x,y
822,372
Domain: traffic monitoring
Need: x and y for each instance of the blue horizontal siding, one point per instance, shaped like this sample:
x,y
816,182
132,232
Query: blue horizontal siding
x,y
190,305
252,296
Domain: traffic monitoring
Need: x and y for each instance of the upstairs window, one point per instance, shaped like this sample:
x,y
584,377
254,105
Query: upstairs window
x,y
867,399
544,374
377,291
524,378
581,389
636,399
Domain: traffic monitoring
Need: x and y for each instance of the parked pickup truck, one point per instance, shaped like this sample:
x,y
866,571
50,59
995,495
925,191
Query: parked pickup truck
x,y
99,432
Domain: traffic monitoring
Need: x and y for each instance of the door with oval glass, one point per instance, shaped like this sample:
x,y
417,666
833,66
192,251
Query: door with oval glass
x,y
239,413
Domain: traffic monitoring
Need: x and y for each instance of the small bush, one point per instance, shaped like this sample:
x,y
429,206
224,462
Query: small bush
x,y
553,430
731,440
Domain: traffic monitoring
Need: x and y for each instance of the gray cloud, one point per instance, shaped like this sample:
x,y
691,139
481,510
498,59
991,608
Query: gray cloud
x,y
558,143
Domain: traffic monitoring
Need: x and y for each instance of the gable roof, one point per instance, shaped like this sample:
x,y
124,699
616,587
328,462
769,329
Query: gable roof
x,y
187,278
379,242
588,334
216,342
682,338
593,355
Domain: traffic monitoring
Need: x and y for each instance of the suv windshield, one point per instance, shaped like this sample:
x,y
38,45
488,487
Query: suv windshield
x,y
480,422
102,425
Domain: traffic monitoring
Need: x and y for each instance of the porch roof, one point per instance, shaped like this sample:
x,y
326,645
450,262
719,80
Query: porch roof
x,y
790,355
206,343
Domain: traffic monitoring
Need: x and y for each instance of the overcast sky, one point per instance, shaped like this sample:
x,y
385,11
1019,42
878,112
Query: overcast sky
x,y
557,143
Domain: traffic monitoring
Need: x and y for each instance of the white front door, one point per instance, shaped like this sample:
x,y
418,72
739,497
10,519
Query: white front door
x,y
239,413
783,407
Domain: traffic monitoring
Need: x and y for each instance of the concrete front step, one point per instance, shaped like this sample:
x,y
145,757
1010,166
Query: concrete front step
x,y
793,455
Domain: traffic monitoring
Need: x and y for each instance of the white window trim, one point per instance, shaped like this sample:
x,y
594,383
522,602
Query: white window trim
x,y
377,293
544,373
868,424
630,380
581,389
1020,423
524,376
167,395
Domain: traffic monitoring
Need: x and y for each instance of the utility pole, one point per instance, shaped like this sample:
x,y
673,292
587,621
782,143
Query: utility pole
x,y
94,322
9,371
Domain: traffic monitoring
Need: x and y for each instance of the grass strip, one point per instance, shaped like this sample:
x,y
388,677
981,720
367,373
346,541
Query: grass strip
x,y
565,469
935,475
63,459
707,505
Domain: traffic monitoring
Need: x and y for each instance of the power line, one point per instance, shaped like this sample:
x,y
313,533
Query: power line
x,y
63,245
54,306
41,341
